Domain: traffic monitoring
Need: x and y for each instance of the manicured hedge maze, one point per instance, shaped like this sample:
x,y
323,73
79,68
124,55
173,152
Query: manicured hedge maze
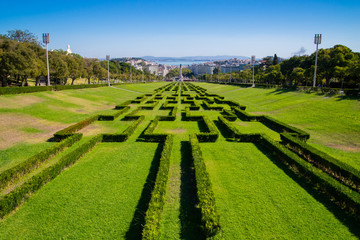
x,y
188,102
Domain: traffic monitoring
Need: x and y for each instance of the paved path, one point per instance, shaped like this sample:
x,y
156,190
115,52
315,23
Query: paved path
x,y
127,90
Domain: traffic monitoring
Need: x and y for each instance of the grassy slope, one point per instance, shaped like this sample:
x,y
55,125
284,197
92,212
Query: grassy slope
x,y
59,108
257,200
333,123
96,198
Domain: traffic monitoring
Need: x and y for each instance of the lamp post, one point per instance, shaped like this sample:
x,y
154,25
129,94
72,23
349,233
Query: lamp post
x,y
108,59
317,41
230,72
253,65
130,72
46,40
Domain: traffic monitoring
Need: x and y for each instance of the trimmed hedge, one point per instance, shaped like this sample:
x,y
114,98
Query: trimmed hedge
x,y
122,137
67,132
339,170
151,229
33,162
18,90
209,216
343,195
235,134
212,106
111,117
272,123
13,199
229,115
212,133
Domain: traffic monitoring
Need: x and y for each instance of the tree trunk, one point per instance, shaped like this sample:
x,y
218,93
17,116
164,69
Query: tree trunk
x,y
89,80
37,81
4,82
72,81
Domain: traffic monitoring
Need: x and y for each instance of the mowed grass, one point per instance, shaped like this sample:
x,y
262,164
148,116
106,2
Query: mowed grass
x,y
258,200
44,113
96,198
333,122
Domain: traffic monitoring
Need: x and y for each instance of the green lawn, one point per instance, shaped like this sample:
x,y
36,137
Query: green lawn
x,y
333,122
258,200
96,198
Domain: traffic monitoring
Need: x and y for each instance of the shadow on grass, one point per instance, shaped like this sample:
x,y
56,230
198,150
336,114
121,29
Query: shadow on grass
x,y
344,97
281,91
349,221
223,130
202,126
190,215
138,220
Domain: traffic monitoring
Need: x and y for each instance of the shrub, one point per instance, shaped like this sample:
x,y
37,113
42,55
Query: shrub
x,y
339,170
34,161
11,200
229,115
209,216
342,194
67,132
153,214
116,114
122,137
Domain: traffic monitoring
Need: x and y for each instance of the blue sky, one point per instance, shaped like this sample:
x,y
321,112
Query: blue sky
x,y
187,28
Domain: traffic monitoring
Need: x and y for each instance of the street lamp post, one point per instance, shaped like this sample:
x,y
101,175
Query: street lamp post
x,y
108,59
317,41
230,72
46,40
253,65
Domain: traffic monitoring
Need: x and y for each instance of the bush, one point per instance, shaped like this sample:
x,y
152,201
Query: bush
x,y
339,170
235,134
342,194
212,133
112,117
229,115
153,214
209,216
11,200
35,161
67,132
122,137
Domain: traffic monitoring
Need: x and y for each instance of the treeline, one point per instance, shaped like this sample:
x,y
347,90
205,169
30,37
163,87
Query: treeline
x,y
338,67
23,57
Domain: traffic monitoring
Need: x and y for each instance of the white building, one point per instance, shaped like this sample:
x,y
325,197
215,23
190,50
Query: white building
x,y
198,69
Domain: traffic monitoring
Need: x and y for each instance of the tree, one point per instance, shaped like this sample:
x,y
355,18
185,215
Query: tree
x,y
275,60
22,36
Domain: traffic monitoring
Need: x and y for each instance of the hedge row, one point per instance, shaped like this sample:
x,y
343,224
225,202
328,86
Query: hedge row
x,y
235,134
122,137
343,195
209,216
229,115
17,90
19,170
114,115
151,229
67,132
149,134
339,170
150,105
13,199
212,133
272,123
212,106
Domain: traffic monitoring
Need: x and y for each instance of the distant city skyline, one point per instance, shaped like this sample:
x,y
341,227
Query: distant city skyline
x,y
187,28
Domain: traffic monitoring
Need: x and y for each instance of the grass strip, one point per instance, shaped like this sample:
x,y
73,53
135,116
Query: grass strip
x,y
14,173
13,199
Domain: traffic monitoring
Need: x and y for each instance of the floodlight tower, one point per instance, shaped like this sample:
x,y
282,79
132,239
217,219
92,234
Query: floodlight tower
x,y
317,41
46,40
108,59
253,65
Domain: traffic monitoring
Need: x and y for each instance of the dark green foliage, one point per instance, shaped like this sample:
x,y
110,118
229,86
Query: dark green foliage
x,y
212,106
211,135
343,195
210,217
339,170
62,134
229,115
122,137
234,133
153,214
34,161
10,201
17,90
283,127
116,114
